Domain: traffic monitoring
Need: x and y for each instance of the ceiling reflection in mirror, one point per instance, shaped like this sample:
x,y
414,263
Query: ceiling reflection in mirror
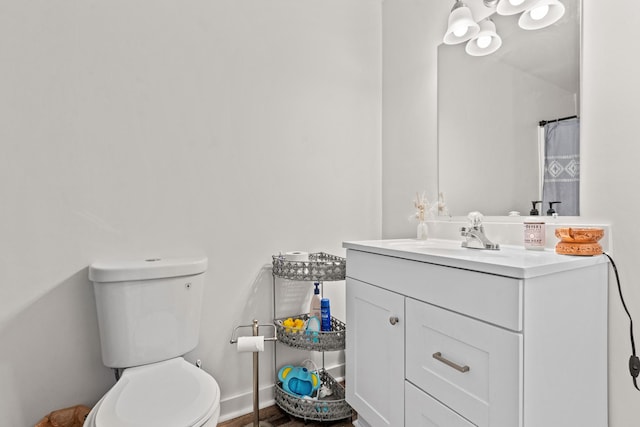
x,y
490,155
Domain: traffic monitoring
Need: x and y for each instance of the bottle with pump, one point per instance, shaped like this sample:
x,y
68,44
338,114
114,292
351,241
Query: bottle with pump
x,y
534,229
534,210
315,308
551,211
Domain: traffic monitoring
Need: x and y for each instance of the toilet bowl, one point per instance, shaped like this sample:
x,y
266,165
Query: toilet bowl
x,y
172,393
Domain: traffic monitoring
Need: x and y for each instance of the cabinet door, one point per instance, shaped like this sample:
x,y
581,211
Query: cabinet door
x,y
375,354
421,410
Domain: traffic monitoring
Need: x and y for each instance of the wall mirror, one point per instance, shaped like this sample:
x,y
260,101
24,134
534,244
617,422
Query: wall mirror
x,y
489,109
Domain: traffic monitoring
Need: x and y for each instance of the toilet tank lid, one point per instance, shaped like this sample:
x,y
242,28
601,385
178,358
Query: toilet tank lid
x,y
146,269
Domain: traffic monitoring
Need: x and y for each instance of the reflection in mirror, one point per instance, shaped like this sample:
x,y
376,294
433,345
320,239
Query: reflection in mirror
x,y
490,143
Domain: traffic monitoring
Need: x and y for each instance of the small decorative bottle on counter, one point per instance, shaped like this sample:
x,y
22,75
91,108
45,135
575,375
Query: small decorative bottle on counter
x,y
420,203
423,231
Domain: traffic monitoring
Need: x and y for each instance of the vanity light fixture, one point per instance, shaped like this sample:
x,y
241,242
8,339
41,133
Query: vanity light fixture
x,y
482,39
486,42
462,26
542,14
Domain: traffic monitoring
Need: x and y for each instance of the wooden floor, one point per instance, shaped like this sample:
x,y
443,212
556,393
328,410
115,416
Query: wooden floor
x,y
279,418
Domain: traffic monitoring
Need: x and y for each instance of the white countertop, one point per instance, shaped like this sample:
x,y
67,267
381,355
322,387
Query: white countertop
x,y
510,261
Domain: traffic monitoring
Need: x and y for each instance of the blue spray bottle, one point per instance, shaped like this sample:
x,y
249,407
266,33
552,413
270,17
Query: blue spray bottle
x,y
325,325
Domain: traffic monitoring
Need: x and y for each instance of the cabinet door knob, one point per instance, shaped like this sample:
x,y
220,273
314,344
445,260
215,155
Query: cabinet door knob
x,y
393,320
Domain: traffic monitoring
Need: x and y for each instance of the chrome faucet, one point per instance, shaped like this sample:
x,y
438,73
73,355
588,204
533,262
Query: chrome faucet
x,y
474,234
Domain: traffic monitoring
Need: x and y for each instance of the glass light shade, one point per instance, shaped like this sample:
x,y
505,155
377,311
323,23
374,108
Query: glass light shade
x,y
511,7
461,26
486,42
483,41
539,12
533,19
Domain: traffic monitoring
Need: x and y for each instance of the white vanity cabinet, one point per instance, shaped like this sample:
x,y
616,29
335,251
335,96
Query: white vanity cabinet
x,y
462,337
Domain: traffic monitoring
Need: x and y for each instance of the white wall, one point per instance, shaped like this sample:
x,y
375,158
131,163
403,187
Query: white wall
x,y
409,109
610,175
231,128
609,146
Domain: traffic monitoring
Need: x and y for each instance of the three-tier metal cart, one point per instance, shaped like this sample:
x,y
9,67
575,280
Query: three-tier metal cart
x,y
320,267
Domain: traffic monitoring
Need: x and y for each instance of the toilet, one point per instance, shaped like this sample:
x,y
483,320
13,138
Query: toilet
x,y
149,317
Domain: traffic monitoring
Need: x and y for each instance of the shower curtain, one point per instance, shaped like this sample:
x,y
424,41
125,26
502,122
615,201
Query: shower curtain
x,y
562,166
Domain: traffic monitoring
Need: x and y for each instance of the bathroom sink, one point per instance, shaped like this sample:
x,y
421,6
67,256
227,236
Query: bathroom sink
x,y
424,244
453,248
443,248
435,246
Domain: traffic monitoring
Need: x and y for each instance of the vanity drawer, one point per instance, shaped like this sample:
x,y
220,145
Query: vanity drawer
x,y
494,299
421,410
470,366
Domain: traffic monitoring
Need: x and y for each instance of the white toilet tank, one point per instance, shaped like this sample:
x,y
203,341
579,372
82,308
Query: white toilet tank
x,y
148,310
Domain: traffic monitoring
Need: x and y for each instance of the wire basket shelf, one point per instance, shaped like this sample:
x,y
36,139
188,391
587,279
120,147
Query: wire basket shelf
x,y
311,340
320,267
330,408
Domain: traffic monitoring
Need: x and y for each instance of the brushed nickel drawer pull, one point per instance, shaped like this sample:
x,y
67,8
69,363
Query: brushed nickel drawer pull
x,y
438,357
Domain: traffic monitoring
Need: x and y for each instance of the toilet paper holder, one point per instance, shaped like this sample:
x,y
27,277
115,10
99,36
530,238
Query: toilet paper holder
x,y
234,339
255,327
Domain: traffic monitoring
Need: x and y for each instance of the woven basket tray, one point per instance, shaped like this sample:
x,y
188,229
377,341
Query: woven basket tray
x,y
330,408
317,341
320,267
579,241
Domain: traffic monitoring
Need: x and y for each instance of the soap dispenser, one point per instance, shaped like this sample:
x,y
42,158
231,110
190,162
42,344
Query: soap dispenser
x,y
315,308
534,211
534,229
551,211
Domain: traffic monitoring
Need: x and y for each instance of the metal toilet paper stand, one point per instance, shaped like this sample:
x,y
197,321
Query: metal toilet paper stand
x,y
256,404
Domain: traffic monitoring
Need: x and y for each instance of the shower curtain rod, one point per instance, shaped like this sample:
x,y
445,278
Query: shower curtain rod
x,y
544,122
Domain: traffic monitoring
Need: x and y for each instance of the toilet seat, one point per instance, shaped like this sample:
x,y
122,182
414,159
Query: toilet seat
x,y
172,393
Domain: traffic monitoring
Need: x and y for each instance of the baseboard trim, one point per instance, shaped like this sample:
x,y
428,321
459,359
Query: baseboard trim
x,y
242,404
